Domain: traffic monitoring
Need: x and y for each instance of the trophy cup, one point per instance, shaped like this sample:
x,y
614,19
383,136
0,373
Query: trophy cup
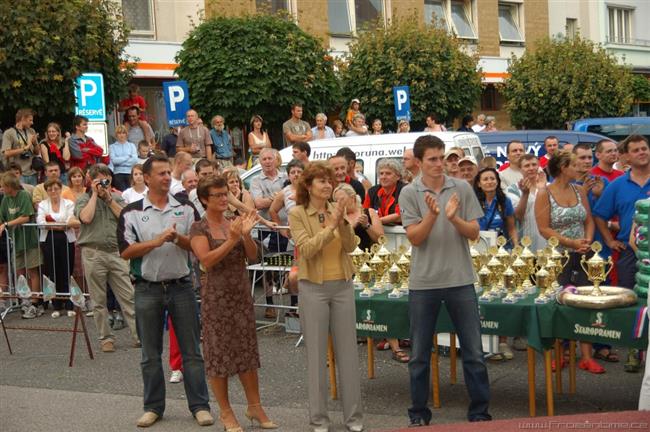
x,y
393,281
502,253
553,272
560,260
485,281
378,267
364,276
386,256
529,258
496,267
358,258
509,281
522,273
405,266
477,262
595,268
543,280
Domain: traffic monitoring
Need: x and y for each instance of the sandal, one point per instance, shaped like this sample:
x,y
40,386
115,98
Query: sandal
x,y
592,366
383,345
496,357
401,356
611,357
405,343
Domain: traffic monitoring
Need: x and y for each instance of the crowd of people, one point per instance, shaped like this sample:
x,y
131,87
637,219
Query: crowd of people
x,y
147,224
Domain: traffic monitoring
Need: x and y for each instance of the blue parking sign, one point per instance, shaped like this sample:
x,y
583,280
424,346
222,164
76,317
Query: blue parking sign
x,y
89,92
402,100
177,102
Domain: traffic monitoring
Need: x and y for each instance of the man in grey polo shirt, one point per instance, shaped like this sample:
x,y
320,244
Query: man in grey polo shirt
x,y
154,234
98,210
440,214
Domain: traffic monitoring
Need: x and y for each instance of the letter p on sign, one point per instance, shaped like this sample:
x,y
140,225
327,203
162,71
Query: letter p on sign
x,y
177,102
402,101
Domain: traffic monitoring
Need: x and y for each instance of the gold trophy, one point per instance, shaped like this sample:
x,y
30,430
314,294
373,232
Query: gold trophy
x,y
543,281
358,258
477,262
405,266
486,280
502,253
529,258
496,267
595,268
509,281
378,267
394,274
364,276
560,260
553,272
522,274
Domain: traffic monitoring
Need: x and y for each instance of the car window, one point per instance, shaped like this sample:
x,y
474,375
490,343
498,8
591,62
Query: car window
x,y
254,173
477,152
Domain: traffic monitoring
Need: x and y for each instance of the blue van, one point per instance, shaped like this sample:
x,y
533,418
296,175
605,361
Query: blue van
x,y
495,143
615,128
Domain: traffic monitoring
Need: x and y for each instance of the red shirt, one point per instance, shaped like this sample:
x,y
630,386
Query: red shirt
x,y
504,166
543,161
610,176
135,101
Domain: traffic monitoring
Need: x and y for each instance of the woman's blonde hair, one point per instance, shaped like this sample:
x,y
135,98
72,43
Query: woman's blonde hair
x,y
232,173
348,190
121,128
559,160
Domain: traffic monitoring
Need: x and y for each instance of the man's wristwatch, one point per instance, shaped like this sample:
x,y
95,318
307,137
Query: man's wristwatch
x,y
367,226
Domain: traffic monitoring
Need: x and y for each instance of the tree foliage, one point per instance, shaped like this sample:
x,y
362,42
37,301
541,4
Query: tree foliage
x,y
257,64
442,78
45,45
563,80
640,88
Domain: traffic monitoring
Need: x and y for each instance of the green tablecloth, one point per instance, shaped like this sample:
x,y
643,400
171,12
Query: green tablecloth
x,y
381,317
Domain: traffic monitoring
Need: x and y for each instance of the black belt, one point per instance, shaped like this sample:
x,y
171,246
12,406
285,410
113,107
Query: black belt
x,y
223,158
183,279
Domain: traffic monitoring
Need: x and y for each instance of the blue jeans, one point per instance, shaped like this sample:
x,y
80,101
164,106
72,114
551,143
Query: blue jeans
x,y
462,306
151,299
29,179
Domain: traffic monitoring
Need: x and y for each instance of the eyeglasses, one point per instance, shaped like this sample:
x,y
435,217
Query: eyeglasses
x,y
219,194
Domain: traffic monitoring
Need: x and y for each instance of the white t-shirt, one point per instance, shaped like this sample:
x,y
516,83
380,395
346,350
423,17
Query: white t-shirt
x,y
528,227
131,195
66,211
175,187
478,128
509,177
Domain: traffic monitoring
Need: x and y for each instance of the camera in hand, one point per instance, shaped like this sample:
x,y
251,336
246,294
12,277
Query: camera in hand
x,y
26,154
105,183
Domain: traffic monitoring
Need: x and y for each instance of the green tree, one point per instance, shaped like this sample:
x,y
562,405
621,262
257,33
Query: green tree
x,y
640,88
563,80
258,64
442,78
45,45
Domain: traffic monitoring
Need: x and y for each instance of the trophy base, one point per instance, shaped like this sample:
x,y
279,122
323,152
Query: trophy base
x,y
520,295
542,300
509,299
366,294
358,286
377,290
485,298
395,294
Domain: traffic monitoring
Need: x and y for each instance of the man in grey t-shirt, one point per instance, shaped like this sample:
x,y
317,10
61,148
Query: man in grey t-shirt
x,y
296,129
439,214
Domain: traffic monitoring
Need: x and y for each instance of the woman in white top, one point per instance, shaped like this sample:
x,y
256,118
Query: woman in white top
x,y
57,238
359,126
257,140
138,189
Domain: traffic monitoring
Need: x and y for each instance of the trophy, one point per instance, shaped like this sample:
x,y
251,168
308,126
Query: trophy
x,y
378,266
529,258
502,253
595,268
496,267
477,261
485,281
358,258
543,281
522,274
560,260
393,281
386,256
364,276
509,281
405,266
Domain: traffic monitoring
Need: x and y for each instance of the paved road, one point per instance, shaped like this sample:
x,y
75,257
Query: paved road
x,y
38,391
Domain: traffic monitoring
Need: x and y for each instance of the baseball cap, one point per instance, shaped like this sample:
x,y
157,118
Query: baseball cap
x,y
453,152
355,100
469,159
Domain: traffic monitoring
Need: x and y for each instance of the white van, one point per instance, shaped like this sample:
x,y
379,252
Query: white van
x,y
370,149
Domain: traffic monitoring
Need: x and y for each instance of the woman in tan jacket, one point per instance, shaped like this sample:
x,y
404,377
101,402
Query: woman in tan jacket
x,y
324,239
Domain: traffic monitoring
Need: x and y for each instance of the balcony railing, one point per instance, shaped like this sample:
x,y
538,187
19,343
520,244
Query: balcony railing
x,y
628,41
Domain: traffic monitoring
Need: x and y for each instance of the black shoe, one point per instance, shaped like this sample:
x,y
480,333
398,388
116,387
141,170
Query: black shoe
x,y
418,422
481,418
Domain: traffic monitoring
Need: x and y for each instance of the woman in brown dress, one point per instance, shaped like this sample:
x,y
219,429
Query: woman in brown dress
x,y
228,319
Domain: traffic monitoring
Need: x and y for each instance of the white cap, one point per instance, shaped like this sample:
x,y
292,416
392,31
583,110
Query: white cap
x,y
469,159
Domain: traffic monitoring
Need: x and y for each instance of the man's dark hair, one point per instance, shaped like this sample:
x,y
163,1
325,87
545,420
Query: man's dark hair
x,y
550,137
625,144
468,118
133,108
425,142
514,142
78,120
296,105
95,170
51,164
14,166
201,163
528,156
148,165
347,153
600,144
303,147
22,113
143,143
581,146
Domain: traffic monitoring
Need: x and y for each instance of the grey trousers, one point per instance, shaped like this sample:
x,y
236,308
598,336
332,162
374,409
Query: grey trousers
x,y
329,308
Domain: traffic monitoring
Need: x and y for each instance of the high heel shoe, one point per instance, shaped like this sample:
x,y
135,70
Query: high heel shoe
x,y
231,427
254,418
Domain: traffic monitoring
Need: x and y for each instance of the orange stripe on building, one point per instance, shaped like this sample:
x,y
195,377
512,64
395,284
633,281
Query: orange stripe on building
x,y
496,75
155,66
